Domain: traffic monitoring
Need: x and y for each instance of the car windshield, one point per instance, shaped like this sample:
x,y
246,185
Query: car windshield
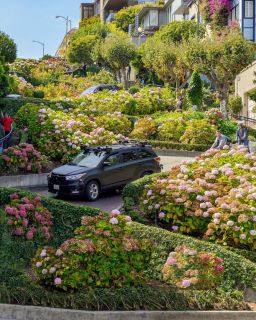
x,y
89,159
89,90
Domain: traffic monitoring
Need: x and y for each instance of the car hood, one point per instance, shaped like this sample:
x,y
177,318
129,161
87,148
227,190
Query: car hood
x,y
69,169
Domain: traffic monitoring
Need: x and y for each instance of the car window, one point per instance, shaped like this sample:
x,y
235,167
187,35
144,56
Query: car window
x,y
88,159
142,154
113,159
129,156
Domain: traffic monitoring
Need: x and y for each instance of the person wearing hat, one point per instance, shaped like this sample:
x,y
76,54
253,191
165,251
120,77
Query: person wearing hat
x,y
242,135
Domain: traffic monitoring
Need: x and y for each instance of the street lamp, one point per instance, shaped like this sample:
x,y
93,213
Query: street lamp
x,y
68,21
41,43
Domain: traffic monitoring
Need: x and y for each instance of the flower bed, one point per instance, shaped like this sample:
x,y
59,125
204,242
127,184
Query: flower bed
x,y
22,158
212,197
16,254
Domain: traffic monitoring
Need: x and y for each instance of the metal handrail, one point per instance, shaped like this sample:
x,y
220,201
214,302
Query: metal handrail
x,y
2,140
238,117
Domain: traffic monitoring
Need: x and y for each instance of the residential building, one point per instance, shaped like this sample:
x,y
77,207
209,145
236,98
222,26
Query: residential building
x,y
151,18
106,9
244,83
243,12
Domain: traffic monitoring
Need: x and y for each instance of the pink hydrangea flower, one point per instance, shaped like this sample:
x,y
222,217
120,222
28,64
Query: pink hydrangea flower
x,y
113,221
161,215
57,281
186,283
52,270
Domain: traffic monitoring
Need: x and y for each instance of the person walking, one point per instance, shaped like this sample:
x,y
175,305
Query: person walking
x,y
179,104
242,135
7,121
220,141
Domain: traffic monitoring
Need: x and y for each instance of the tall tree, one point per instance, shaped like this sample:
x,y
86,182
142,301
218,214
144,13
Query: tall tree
x,y
8,48
118,51
220,58
81,50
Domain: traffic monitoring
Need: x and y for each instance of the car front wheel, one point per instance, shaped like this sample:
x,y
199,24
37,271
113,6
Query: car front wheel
x,y
92,190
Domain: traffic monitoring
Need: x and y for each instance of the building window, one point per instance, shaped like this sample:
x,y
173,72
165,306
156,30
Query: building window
x,y
169,14
234,14
153,18
248,11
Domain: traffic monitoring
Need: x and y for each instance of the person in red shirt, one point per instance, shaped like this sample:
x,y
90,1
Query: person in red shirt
x,y
6,121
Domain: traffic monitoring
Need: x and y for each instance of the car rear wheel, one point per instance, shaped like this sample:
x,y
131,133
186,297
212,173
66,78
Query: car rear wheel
x,y
146,173
92,190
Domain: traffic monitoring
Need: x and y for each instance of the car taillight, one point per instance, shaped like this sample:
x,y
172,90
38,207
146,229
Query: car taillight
x,y
158,159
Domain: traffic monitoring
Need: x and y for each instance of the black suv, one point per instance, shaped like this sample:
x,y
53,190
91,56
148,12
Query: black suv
x,y
98,169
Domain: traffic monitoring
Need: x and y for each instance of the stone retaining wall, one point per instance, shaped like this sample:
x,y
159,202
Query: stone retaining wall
x,y
14,312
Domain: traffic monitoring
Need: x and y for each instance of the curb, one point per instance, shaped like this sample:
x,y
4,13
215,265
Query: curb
x,y
176,153
24,181
14,312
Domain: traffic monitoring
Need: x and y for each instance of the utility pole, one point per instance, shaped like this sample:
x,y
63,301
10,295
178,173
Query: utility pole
x,y
68,21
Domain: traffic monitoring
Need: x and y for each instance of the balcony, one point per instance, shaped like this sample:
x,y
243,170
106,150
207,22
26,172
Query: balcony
x,y
115,5
180,7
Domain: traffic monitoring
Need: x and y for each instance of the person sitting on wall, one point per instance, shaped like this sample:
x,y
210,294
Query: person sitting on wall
x,y
220,141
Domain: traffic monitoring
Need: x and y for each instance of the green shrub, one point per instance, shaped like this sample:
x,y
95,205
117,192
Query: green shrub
x,y
117,123
22,158
195,87
144,128
235,104
126,16
172,130
28,218
238,270
188,268
39,94
102,254
12,106
198,132
252,95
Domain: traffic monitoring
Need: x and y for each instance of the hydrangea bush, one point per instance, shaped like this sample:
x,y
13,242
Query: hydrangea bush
x,y
189,269
144,128
22,158
59,132
213,197
28,218
103,253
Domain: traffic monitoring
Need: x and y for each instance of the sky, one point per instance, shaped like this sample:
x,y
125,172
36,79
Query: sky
x,y
27,20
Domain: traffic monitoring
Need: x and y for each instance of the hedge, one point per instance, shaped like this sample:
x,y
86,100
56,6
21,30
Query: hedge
x,y
131,197
12,106
178,146
239,271
17,286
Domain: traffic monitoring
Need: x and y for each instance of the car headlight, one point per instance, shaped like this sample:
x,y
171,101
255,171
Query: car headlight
x,y
75,177
50,175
